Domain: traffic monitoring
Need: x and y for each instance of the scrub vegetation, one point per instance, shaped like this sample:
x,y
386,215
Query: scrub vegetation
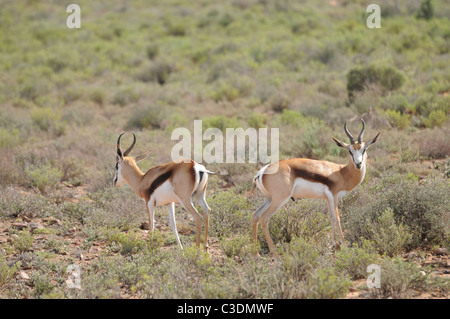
x,y
304,67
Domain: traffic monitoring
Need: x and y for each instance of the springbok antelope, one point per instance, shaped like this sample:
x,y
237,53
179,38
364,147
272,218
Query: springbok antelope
x,y
307,178
166,184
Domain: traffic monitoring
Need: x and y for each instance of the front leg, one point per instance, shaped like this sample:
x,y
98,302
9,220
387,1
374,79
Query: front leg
x,y
151,214
173,223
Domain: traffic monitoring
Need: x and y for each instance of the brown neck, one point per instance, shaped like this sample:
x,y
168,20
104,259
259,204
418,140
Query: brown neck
x,y
133,175
353,176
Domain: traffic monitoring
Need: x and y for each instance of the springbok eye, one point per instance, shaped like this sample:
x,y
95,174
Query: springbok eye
x,y
117,166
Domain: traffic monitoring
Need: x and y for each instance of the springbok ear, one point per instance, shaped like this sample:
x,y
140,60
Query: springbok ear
x,y
340,144
142,156
372,141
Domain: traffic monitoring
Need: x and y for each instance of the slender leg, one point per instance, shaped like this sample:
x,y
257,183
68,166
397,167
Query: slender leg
x,y
151,214
173,224
206,212
332,219
274,206
341,235
187,204
255,218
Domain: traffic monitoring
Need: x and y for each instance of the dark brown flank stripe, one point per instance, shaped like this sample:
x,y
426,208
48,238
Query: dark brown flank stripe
x,y
157,182
312,177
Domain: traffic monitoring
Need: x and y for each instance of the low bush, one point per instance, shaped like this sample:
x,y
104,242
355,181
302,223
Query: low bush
x,y
299,258
397,119
353,261
6,272
387,77
147,117
398,277
240,246
422,208
48,120
43,176
325,284
389,237
231,214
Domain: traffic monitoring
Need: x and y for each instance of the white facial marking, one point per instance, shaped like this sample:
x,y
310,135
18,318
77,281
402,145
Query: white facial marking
x,y
358,156
118,178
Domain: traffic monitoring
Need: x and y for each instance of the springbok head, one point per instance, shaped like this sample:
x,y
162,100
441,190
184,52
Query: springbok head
x,y
357,149
124,162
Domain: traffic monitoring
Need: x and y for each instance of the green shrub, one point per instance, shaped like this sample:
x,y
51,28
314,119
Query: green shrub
x,y
231,214
435,118
125,96
389,238
6,272
240,246
325,284
398,277
257,120
43,176
419,209
231,89
148,117
158,71
24,242
279,102
397,119
426,10
221,122
294,118
299,257
49,120
387,77
9,138
97,96
152,51
129,243
42,284
354,260
305,218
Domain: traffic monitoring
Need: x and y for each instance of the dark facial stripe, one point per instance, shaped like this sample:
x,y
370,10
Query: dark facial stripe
x,y
157,182
313,177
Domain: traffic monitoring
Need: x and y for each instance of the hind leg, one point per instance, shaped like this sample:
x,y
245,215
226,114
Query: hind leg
x,y
274,206
255,218
200,197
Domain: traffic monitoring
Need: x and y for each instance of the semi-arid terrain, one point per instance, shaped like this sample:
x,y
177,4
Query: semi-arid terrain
x,y
149,67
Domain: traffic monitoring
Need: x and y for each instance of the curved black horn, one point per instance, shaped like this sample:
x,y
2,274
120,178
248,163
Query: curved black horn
x,y
362,131
350,136
119,150
131,147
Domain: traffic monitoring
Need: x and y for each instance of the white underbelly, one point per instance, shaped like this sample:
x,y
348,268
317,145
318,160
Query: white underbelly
x,y
305,188
165,194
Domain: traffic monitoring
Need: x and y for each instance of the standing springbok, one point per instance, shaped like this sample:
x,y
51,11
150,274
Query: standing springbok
x,y
166,184
307,178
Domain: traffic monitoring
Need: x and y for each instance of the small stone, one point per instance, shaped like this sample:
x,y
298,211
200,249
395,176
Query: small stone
x,y
353,289
26,219
441,251
423,273
24,275
20,226
34,226
14,236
